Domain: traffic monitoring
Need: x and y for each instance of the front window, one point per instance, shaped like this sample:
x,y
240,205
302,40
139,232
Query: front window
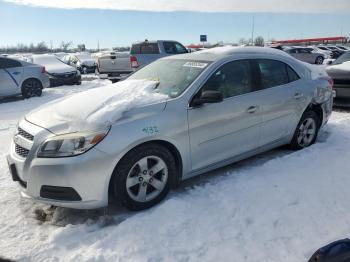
x,y
343,58
174,76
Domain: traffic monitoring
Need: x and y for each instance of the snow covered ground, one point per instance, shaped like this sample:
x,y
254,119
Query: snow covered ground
x,y
278,206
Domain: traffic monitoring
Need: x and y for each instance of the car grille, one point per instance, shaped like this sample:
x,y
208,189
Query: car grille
x,y
25,134
65,75
21,151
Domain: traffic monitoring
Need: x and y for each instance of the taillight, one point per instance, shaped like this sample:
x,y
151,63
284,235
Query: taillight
x,y
133,62
43,70
331,82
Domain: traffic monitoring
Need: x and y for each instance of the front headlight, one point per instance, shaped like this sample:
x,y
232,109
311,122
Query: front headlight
x,y
72,144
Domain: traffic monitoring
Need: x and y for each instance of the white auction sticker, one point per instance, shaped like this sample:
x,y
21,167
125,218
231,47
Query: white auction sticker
x,y
195,64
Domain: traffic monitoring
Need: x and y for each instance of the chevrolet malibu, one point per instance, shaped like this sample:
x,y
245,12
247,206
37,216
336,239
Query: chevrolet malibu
x,y
176,118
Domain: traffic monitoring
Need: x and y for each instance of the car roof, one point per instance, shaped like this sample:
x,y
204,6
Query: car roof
x,y
152,41
218,53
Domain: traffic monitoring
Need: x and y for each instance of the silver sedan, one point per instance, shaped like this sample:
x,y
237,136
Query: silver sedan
x,y
215,107
21,78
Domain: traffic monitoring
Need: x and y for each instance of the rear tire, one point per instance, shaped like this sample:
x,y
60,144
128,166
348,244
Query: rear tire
x,y
306,132
31,88
143,177
319,60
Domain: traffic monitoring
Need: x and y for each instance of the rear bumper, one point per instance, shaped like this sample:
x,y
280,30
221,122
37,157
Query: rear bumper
x,y
342,91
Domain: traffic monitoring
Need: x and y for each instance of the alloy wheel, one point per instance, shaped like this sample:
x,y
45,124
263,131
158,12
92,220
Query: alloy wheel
x,y
146,179
306,132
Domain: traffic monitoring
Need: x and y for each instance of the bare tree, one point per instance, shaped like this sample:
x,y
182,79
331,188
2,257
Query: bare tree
x,y
81,47
259,41
65,45
41,47
242,41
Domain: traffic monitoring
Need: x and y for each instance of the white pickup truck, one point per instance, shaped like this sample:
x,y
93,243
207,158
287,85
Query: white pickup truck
x,y
113,65
117,65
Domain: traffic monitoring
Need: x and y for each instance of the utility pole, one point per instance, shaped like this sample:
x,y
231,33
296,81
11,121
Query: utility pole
x,y
51,45
98,45
253,25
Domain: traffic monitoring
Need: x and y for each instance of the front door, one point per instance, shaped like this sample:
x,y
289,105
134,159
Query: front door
x,y
223,130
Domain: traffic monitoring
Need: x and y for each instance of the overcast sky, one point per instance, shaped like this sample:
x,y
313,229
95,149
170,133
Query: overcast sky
x,y
199,5
122,22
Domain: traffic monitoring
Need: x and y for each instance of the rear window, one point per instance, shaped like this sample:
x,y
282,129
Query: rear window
x,y
145,48
9,63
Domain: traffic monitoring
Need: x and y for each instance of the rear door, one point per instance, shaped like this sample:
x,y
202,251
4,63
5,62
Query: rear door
x,y
306,55
223,130
11,72
278,96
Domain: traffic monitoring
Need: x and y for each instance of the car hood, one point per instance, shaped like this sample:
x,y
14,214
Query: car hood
x,y
340,71
100,107
59,68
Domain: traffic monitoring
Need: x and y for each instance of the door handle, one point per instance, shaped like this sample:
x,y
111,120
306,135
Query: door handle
x,y
252,109
16,73
298,95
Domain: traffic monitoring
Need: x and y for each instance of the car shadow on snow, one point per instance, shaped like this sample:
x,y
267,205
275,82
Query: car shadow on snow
x,y
115,214
11,99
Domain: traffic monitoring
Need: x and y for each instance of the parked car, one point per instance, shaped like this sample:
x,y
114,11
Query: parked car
x,y
59,73
335,51
113,65
339,71
344,48
306,54
21,78
328,54
144,53
82,62
176,118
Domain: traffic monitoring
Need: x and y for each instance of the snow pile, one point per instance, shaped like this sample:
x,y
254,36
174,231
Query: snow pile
x,y
105,105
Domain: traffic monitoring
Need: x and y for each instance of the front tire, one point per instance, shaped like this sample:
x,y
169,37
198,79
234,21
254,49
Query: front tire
x,y
31,88
306,132
144,177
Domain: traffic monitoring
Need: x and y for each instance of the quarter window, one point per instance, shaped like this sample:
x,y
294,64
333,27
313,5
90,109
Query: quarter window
x,y
272,73
292,76
232,79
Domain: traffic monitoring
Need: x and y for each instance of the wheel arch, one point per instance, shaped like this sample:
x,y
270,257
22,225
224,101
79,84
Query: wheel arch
x,y
32,78
168,145
317,108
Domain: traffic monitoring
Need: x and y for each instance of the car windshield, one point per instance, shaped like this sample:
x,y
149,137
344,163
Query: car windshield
x,y
343,58
173,75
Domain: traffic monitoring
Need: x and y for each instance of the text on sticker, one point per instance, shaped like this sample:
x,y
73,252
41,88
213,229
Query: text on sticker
x,y
195,64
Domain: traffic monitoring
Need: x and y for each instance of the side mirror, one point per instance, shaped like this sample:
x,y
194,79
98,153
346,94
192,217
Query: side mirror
x,y
209,96
329,62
